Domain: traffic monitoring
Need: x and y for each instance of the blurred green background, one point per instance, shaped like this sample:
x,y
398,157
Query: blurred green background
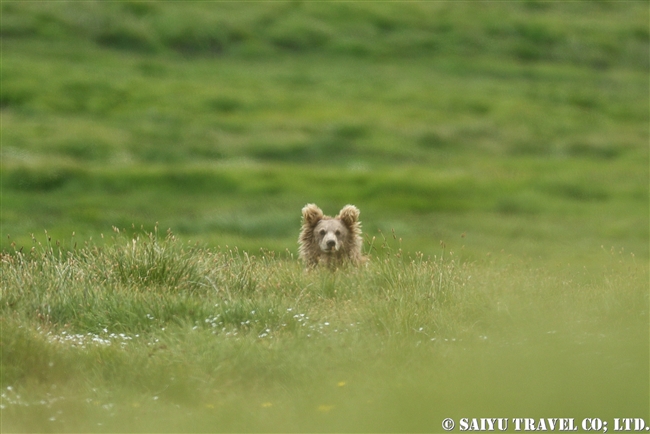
x,y
518,126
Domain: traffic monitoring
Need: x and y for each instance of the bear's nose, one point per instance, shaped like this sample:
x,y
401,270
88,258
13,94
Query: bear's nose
x,y
331,243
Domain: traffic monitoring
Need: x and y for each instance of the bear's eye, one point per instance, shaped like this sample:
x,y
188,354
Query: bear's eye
x,y
338,232
322,232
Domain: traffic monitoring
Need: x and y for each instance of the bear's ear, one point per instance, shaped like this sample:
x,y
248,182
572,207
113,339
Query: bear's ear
x,y
311,214
349,215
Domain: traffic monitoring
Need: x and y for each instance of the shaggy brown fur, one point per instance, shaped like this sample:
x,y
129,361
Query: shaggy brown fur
x,y
330,241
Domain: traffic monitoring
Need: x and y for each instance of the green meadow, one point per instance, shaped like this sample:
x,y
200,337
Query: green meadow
x,y
155,157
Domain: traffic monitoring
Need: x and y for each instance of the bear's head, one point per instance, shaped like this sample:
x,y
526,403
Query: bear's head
x,y
330,234
325,238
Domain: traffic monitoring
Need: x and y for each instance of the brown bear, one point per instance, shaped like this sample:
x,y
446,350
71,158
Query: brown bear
x,y
331,241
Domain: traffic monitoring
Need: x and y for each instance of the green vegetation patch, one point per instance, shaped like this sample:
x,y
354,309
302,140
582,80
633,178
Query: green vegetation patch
x,y
146,329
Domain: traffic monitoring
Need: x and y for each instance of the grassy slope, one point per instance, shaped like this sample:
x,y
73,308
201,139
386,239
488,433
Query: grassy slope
x,y
533,113
517,131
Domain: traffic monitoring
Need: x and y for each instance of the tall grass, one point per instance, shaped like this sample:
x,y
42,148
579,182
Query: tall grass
x,y
145,331
138,282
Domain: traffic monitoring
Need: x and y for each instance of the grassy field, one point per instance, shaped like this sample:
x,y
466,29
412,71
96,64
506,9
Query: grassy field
x,y
498,153
156,336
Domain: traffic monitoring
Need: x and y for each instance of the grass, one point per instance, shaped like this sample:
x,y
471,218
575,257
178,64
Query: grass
x,y
498,153
501,142
148,333
525,203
